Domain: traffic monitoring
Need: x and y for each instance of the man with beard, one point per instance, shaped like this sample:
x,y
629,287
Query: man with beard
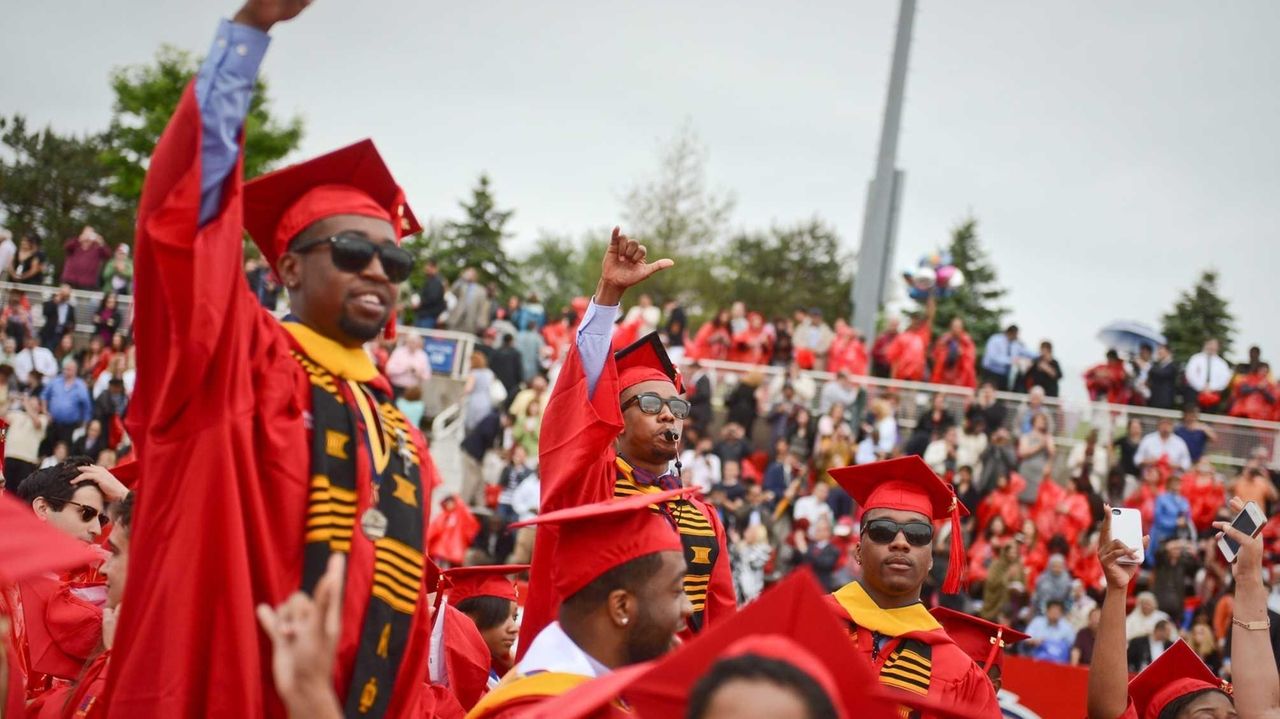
x,y
284,432
620,572
889,626
612,428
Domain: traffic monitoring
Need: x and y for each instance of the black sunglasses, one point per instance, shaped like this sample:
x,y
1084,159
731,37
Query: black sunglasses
x,y
884,531
651,403
87,513
353,251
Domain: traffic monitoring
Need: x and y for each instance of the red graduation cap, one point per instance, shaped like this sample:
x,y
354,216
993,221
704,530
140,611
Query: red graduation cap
x,y
789,622
594,538
31,547
982,640
128,472
644,360
907,484
1175,673
482,581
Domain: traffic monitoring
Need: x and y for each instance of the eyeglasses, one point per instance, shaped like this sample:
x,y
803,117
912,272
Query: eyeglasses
x,y
87,513
884,531
651,403
353,251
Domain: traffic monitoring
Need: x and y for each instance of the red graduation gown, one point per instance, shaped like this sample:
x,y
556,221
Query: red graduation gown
x,y
962,373
578,465
906,353
220,414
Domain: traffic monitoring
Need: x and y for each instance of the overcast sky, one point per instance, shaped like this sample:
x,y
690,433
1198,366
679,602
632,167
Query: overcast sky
x,y
1109,150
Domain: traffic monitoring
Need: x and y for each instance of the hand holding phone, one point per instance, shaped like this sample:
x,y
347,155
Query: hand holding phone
x,y
1248,522
1126,526
1120,560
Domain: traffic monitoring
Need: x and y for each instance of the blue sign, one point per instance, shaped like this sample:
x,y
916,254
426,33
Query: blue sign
x,y
441,352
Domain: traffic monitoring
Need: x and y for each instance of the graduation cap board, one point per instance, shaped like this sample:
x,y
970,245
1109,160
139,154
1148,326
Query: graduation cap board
x,y
488,580
31,547
908,484
644,360
982,640
792,613
1175,673
352,180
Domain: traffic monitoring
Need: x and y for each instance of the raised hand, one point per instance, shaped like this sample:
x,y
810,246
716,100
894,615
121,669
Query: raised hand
x,y
1110,551
304,638
624,266
262,14
112,488
1248,564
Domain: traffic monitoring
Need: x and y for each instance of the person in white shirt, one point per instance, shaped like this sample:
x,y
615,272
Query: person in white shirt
x,y
7,250
1163,443
408,365
1144,617
34,358
813,507
1206,371
645,314
702,466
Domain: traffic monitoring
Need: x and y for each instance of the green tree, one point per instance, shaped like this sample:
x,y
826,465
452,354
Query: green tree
x,y
676,214
559,268
798,265
146,96
477,241
977,301
1198,315
51,184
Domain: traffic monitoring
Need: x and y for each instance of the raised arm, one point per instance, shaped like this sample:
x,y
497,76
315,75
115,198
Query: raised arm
x,y
1109,671
1257,686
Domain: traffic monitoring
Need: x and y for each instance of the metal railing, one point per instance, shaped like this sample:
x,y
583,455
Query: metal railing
x,y
1235,438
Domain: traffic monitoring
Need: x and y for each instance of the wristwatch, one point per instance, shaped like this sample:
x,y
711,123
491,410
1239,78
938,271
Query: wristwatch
x,y
1253,626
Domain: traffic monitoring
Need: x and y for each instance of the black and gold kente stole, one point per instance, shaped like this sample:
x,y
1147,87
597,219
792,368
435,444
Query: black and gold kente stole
x,y
342,410
701,550
909,666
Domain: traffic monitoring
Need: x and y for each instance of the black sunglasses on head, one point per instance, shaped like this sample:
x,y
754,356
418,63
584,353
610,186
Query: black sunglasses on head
x,y
884,531
651,403
353,251
87,513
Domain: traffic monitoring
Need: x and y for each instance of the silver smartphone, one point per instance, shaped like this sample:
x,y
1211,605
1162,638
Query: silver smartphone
x,y
1249,521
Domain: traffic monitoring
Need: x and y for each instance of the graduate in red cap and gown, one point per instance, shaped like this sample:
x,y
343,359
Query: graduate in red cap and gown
x,y
983,641
279,441
891,629
611,428
955,357
487,596
620,569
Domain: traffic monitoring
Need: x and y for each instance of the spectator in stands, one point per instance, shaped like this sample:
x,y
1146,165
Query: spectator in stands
x,y
842,391
1053,585
1162,379
1051,636
644,314
1145,616
879,362
85,256
907,353
28,264
1201,641
1090,458
471,314
815,335
805,388
1035,457
7,251
1172,513
477,395
1256,395
940,455
1175,567
17,318
954,357
786,470
476,443
703,464
59,317
411,404
743,402
886,427
1163,444
408,365
530,345
106,321
754,343
117,277
1203,488
1109,381
431,302
971,443
1128,448
28,424
813,507
734,445
1196,434
991,410
527,427
1082,605
117,368
847,352
713,339
998,459
1029,410
782,413
821,555
1207,376
68,401
93,441
1086,637
508,367
534,393
1255,485
751,555
66,350
34,359
675,330
1044,371
1138,367
1000,355
838,449
930,425
1147,648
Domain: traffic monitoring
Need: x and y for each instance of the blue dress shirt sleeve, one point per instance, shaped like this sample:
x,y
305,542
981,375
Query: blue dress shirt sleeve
x,y
594,340
224,88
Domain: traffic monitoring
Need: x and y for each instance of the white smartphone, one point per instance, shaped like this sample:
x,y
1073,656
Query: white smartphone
x,y
1249,521
1126,525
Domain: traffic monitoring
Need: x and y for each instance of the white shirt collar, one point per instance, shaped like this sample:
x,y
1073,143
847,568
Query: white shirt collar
x,y
553,651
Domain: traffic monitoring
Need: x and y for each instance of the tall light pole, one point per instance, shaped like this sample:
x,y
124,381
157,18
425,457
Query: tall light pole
x,y
880,222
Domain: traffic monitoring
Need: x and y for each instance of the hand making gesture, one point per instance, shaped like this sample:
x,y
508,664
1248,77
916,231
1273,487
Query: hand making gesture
x,y
262,14
624,266
1110,551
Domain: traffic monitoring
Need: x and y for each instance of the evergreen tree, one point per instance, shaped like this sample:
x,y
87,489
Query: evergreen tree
x,y
977,301
1198,315
788,267
477,241
560,269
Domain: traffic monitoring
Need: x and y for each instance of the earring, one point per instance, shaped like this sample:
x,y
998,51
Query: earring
x,y
625,620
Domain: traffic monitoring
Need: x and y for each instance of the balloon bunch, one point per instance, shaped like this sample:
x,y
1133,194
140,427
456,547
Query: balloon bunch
x,y
933,274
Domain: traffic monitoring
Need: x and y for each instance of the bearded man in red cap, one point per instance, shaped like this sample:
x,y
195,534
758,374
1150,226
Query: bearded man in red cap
x,y
281,433
612,428
889,625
